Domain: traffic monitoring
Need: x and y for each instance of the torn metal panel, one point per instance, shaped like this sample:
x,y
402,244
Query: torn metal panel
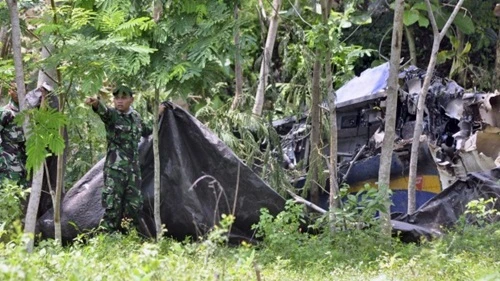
x,y
371,84
456,123
490,109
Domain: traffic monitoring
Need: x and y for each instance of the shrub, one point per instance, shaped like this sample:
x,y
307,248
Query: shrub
x,y
12,199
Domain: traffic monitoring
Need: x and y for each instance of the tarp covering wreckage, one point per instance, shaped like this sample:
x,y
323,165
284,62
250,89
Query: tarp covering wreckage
x,y
201,179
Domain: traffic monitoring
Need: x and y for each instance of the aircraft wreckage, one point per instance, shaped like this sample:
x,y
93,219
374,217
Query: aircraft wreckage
x,y
461,134
201,178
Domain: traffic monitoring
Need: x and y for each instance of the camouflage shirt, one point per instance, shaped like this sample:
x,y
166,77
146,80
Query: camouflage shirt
x,y
12,141
123,133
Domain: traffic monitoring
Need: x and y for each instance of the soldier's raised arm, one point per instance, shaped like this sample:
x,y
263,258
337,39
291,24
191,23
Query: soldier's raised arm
x,y
92,101
100,108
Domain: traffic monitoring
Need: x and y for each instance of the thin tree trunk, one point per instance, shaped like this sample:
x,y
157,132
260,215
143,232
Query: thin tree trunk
x,y
16,49
410,39
334,187
48,76
261,13
314,156
238,73
4,40
438,37
297,6
334,198
36,188
266,59
59,184
32,212
496,83
384,176
156,155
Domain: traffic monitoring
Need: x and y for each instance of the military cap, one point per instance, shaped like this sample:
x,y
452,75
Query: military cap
x,y
123,90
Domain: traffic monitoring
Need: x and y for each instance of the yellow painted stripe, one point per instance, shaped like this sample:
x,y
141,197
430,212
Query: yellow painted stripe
x,y
427,183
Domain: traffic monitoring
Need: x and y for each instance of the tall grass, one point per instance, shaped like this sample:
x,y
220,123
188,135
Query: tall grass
x,y
469,254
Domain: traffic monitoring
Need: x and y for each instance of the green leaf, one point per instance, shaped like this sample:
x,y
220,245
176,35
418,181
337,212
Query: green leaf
x,y
345,23
361,19
410,17
423,22
420,6
464,24
466,49
44,137
138,49
443,56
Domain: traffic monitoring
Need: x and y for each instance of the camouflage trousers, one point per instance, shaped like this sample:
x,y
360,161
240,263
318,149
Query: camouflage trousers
x,y
11,168
121,196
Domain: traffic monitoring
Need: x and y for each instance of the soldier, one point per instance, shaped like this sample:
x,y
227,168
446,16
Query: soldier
x,y
121,195
12,149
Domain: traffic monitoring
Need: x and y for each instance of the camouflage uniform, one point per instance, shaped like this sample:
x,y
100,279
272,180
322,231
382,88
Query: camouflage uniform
x,y
12,149
121,195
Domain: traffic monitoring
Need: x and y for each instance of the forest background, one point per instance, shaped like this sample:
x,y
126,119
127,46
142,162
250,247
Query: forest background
x,y
188,52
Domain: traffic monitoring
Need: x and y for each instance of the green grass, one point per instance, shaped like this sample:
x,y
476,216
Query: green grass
x,y
471,254
283,253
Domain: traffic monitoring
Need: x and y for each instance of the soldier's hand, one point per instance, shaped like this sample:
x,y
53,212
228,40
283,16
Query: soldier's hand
x,y
91,101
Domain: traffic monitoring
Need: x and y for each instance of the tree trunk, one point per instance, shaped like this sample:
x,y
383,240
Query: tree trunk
x,y
4,40
261,12
48,76
438,37
238,73
16,49
156,155
314,156
384,174
266,59
32,212
36,188
334,187
334,198
59,185
410,39
496,83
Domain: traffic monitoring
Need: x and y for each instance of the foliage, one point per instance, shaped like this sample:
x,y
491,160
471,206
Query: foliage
x,y
6,72
85,141
12,200
192,53
286,255
415,13
482,211
91,47
251,138
43,137
360,209
283,230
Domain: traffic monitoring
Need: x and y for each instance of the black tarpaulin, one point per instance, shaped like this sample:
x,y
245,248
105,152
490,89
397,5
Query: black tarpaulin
x,y
444,210
201,178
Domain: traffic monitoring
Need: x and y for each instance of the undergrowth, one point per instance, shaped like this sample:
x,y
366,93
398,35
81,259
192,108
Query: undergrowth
x,y
288,250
